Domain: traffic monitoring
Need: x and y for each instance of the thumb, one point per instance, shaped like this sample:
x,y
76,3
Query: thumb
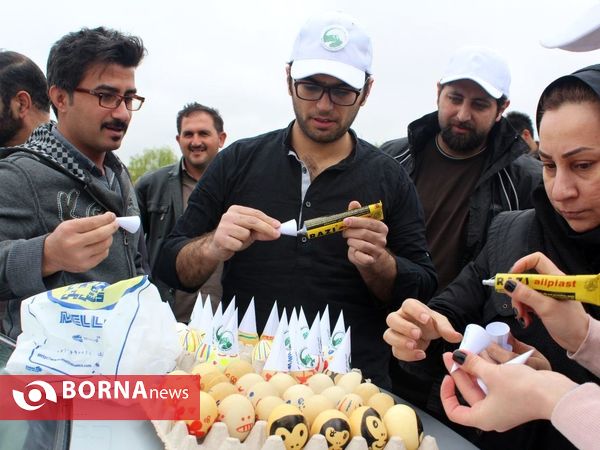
x,y
353,205
471,363
445,329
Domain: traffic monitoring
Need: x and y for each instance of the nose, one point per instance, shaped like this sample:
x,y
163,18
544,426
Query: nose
x,y
325,103
464,112
196,141
121,113
563,186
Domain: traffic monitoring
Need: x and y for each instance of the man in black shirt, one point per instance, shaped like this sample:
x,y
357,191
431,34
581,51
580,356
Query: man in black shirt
x,y
316,166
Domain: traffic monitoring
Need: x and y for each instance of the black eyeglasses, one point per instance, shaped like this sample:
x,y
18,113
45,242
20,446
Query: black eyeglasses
x,y
112,101
307,90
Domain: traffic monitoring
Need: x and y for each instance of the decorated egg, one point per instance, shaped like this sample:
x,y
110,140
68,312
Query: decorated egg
x,y
381,402
302,376
204,369
349,381
211,379
260,390
236,369
334,425
314,405
262,350
403,421
297,394
288,422
349,403
366,390
282,382
221,390
245,382
208,415
237,413
334,393
366,422
190,340
318,382
266,405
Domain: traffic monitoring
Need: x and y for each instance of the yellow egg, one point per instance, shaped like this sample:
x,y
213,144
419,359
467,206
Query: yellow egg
x,y
349,381
260,390
204,369
237,413
282,382
334,393
366,422
288,422
403,421
262,350
236,369
366,390
334,426
211,379
190,340
208,415
349,403
221,390
266,405
318,382
247,381
297,394
381,402
314,405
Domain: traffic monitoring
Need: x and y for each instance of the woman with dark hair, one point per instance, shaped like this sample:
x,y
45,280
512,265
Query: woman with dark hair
x,y
564,225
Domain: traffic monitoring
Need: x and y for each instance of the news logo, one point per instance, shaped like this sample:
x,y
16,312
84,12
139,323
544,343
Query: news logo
x,y
36,397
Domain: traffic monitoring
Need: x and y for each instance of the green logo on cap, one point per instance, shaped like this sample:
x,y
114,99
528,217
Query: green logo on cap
x,y
334,38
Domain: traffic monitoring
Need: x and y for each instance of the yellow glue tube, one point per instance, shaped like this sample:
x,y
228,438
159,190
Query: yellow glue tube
x,y
322,226
581,288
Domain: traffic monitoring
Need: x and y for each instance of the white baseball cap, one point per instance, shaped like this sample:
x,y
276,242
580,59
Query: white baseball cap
x,y
332,43
481,65
582,35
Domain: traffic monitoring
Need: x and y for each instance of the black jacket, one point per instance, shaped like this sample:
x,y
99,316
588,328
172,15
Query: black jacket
x,y
508,178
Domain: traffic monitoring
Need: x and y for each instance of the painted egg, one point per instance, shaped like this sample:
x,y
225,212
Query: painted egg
x,y
211,379
302,376
205,368
314,405
262,350
208,415
237,369
349,381
318,382
237,413
288,422
245,382
334,393
266,405
221,390
381,402
366,422
260,390
366,391
349,403
403,421
190,340
282,382
334,425
297,394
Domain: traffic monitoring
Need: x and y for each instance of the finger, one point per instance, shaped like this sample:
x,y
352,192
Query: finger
x,y
454,410
524,297
466,384
537,261
353,224
498,354
87,224
445,329
354,205
257,225
256,213
403,326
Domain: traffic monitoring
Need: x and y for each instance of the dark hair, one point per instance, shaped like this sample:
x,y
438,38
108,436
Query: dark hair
x,y
195,107
568,89
520,121
19,73
73,54
501,101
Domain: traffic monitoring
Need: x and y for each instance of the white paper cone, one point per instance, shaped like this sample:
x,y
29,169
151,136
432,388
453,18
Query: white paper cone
x,y
313,341
338,332
248,323
325,331
499,332
129,223
341,360
280,358
289,228
475,339
272,323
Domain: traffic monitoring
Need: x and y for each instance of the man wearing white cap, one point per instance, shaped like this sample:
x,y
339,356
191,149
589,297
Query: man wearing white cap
x,y
468,165
316,166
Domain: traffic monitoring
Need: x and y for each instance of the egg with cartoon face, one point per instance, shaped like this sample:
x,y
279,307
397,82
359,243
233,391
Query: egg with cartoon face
x,y
287,422
334,425
208,416
237,413
366,422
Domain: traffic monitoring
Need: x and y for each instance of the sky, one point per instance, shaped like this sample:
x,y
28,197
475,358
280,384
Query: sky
x,y
231,54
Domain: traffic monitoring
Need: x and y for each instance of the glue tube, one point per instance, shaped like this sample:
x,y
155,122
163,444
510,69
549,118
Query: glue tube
x,y
581,288
323,226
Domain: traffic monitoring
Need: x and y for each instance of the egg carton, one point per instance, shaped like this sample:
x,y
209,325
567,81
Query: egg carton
x,y
175,437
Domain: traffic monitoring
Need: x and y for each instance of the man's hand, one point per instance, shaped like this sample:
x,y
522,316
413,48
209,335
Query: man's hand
x,y
366,238
78,245
413,327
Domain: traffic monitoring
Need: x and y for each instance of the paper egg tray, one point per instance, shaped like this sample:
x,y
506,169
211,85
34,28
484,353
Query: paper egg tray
x,y
175,437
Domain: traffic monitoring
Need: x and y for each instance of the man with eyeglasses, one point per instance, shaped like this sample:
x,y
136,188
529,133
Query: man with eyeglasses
x,y
63,188
316,166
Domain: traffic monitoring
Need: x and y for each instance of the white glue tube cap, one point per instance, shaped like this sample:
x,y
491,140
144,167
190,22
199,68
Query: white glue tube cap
x,y
129,223
289,228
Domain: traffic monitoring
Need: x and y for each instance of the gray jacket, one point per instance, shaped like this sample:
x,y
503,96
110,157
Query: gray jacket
x,y
43,184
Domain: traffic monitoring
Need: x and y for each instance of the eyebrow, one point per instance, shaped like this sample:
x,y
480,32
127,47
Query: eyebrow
x,y
341,84
106,87
570,153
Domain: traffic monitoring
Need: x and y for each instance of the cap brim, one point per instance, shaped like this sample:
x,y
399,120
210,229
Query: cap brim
x,y
304,68
583,35
487,87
